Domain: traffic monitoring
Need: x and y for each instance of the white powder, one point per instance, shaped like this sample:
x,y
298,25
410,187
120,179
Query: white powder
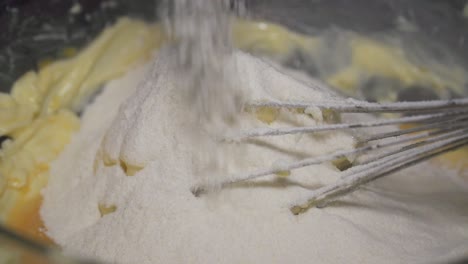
x,y
405,218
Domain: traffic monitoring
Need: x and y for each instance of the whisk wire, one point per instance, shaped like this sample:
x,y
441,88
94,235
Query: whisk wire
x,y
369,172
428,137
358,106
347,153
439,126
261,132
415,129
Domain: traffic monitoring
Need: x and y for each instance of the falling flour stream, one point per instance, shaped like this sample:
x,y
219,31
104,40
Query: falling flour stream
x,y
201,31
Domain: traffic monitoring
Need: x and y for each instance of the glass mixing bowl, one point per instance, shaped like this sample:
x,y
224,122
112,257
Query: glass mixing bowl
x,y
34,30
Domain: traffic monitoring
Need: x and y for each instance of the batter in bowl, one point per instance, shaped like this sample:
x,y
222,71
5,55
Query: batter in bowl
x,y
95,206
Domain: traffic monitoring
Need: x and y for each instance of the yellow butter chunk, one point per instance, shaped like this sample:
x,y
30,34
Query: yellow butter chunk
x,y
115,51
267,114
37,117
18,109
106,209
342,164
130,169
373,58
35,147
13,115
26,92
69,82
369,57
270,39
24,162
283,174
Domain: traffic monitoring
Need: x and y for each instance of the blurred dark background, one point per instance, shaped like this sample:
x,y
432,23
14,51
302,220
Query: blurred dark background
x,y
34,30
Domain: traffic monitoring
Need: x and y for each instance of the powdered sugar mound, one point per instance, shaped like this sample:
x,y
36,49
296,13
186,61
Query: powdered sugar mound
x,y
143,160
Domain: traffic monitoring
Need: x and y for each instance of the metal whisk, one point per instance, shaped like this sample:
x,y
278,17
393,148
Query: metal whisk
x,y
437,127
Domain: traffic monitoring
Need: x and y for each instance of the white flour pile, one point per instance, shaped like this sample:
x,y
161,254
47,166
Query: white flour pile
x,y
152,216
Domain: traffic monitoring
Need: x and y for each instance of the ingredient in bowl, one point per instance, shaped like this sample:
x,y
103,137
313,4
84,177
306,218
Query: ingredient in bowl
x,y
38,117
158,219
104,60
